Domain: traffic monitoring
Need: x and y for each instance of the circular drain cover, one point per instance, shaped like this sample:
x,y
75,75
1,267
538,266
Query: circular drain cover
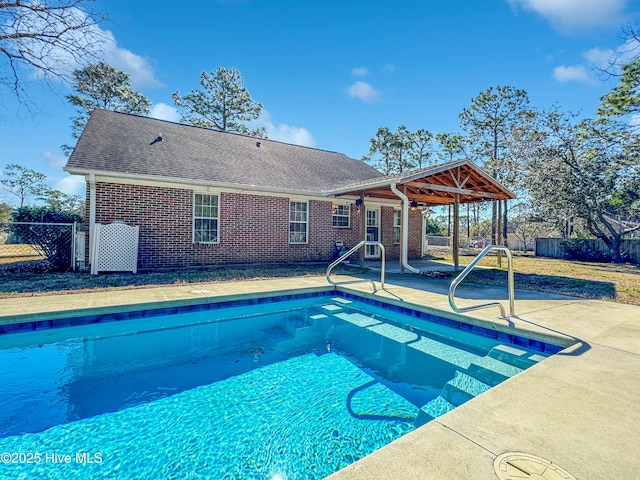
x,y
523,466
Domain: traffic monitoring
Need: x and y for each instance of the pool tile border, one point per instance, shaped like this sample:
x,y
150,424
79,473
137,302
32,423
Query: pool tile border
x,y
79,320
71,321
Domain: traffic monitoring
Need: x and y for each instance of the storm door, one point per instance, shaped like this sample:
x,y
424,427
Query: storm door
x,y
373,232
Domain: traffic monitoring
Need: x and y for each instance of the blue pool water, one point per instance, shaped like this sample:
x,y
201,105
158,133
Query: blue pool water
x,y
293,389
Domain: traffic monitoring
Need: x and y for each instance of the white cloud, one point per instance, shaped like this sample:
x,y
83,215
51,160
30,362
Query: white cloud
x,y
359,71
138,68
95,44
573,73
364,91
285,133
388,68
71,185
162,111
61,62
599,58
291,134
610,60
568,15
54,161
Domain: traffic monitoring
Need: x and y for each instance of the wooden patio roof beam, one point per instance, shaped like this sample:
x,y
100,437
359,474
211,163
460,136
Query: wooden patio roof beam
x,y
454,190
429,200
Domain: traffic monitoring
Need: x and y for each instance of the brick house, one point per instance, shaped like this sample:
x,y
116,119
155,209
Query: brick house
x,y
204,197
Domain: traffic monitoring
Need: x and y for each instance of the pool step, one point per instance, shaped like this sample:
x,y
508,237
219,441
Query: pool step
x,y
517,356
481,374
447,353
436,407
357,319
293,322
492,371
460,389
463,388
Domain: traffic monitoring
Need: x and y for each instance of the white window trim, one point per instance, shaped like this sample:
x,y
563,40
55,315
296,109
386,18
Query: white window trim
x,y
334,215
193,216
399,226
306,222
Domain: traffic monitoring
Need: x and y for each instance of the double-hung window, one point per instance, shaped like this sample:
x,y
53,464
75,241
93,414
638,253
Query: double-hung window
x,y
340,215
206,215
397,223
298,222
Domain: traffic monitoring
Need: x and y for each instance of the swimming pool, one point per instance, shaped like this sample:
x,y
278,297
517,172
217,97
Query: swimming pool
x,y
293,386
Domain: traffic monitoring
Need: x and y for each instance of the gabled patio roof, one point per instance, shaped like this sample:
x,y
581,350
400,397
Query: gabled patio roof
x,y
436,185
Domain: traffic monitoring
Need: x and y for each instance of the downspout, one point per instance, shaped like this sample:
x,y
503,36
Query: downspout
x,y
405,229
363,226
92,213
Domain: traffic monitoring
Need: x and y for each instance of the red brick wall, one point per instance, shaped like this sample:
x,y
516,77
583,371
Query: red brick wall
x,y
415,234
386,232
252,228
164,217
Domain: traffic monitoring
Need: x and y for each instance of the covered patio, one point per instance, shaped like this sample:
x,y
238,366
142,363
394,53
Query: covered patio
x,y
454,183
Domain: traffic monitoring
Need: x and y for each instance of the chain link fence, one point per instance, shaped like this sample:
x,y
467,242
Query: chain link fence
x,y
55,244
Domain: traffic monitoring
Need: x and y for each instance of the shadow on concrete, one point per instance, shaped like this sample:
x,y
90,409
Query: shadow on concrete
x,y
488,283
575,350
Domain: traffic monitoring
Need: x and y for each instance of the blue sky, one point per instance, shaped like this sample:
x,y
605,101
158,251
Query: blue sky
x,y
329,73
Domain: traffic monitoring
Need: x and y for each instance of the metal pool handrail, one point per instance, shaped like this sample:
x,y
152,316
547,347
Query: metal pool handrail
x,y
351,251
471,266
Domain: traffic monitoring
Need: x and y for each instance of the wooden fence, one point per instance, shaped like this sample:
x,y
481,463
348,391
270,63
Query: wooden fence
x,y
588,248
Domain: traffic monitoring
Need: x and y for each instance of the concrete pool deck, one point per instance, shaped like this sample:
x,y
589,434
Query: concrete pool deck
x,y
579,409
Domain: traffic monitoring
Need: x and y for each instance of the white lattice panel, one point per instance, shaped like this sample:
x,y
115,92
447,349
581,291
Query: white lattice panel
x,y
115,248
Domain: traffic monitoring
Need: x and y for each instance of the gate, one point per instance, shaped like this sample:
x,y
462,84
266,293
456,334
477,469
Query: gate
x,y
57,243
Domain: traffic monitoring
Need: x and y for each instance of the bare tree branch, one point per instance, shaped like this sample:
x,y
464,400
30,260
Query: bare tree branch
x,y
49,37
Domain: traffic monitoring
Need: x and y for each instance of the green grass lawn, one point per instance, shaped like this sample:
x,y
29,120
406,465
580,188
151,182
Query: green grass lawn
x,y
603,281
25,282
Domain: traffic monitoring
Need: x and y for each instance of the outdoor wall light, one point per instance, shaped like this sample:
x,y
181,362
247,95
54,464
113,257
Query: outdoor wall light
x,y
413,205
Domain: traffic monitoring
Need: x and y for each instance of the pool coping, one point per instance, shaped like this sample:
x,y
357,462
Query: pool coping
x,y
30,322
139,306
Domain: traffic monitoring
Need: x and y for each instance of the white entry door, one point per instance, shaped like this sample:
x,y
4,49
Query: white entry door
x,y
373,232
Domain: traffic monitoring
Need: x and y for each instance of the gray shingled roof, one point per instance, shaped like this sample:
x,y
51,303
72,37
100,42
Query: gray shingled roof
x,y
121,143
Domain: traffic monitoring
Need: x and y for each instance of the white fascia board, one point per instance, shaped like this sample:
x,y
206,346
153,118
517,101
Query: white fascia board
x,y
202,186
